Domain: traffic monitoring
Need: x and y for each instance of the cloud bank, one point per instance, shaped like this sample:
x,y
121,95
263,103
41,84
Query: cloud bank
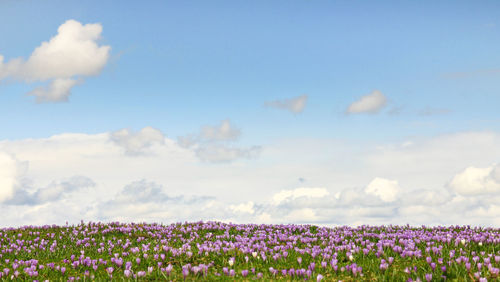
x,y
448,179
62,61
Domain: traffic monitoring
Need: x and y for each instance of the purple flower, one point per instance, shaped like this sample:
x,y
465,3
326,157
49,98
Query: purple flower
x,y
495,271
428,276
244,273
127,273
168,269
319,277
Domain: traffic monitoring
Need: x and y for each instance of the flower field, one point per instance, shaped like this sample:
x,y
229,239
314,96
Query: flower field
x,y
219,251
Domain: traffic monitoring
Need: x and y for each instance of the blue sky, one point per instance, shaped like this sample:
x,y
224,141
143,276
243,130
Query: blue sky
x,y
175,65
179,66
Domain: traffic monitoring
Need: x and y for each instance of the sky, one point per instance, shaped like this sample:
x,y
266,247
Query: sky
x,y
309,112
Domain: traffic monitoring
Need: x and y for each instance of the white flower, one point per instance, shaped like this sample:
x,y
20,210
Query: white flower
x,y
480,244
231,262
351,257
462,241
254,254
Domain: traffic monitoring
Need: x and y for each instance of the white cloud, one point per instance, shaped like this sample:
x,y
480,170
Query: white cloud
x,y
10,172
286,195
371,103
295,105
477,181
58,91
67,57
247,207
137,143
304,215
386,189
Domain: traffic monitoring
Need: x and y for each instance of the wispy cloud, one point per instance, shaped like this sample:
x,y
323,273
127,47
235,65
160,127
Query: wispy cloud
x,y
137,143
210,144
295,105
470,74
220,133
63,61
370,103
428,111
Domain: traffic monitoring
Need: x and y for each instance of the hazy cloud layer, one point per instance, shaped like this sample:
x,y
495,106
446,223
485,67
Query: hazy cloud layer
x,y
371,103
143,200
448,179
295,105
63,61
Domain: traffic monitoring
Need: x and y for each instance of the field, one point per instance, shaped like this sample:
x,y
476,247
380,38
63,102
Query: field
x,y
219,251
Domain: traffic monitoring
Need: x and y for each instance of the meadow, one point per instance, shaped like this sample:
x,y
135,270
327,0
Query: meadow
x,y
218,251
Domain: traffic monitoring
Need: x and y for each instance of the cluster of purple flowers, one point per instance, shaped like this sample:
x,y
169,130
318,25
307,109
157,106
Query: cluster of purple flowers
x,y
242,251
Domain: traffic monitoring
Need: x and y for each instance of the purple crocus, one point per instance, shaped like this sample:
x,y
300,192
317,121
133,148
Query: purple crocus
x,y
127,273
244,273
141,273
